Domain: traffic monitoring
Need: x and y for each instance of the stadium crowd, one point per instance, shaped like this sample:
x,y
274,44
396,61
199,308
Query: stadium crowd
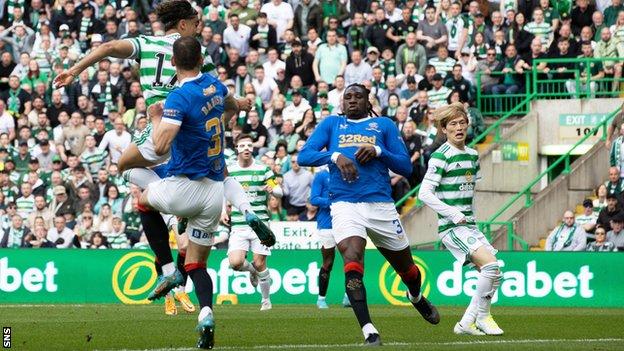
x,y
59,147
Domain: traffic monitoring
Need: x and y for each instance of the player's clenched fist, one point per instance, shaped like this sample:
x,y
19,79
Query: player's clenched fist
x,y
365,153
155,111
347,168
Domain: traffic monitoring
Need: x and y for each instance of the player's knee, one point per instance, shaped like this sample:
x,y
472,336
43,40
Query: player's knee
x,y
353,256
328,265
191,266
412,273
259,263
236,264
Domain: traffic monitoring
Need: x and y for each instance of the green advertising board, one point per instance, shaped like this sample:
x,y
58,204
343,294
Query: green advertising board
x,y
125,276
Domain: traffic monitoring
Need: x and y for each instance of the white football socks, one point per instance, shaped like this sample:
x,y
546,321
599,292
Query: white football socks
x,y
487,283
168,269
265,283
141,177
248,267
205,311
369,329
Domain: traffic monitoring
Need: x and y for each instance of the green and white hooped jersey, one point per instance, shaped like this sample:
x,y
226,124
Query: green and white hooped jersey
x,y
453,173
541,30
157,75
253,179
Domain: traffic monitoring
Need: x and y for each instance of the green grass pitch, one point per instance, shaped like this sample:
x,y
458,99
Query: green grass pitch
x,y
299,327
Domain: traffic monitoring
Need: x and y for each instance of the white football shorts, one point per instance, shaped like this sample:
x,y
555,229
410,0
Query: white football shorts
x,y
201,201
243,238
463,241
377,220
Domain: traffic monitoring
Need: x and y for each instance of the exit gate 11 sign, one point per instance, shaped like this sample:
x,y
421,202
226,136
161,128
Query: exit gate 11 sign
x,y
575,126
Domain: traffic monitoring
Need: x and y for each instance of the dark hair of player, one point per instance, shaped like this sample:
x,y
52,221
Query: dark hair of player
x,y
171,12
187,53
369,108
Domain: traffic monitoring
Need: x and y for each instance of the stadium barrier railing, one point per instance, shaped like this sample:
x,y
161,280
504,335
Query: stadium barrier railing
x,y
554,84
564,159
496,104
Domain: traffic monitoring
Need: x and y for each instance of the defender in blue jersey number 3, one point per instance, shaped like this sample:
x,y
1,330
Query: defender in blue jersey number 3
x,y
361,151
191,128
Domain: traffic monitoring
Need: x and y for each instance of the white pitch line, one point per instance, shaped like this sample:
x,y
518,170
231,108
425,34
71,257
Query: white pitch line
x,y
449,343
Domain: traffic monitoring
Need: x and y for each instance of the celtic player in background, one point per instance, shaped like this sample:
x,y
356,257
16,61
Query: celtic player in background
x,y
448,188
258,181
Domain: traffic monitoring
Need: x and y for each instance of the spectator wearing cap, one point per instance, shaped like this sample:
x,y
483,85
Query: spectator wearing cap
x,y
431,32
616,234
589,218
411,52
608,213
357,71
237,35
60,234
61,203
373,57
330,59
568,236
322,103
300,63
294,111
439,93
308,14
408,96
13,237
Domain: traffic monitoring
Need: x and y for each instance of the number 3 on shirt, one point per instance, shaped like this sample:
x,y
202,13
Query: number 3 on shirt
x,y
216,138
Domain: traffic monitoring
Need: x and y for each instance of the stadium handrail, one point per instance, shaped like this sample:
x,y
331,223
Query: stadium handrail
x,y
565,158
494,127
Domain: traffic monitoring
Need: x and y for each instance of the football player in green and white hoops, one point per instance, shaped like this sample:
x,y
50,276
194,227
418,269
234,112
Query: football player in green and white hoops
x,y
448,189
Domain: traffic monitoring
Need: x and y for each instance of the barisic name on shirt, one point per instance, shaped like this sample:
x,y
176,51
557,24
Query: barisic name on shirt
x,y
210,104
346,140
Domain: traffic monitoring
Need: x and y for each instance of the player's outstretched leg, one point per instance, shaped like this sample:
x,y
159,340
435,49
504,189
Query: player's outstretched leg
x,y
403,264
352,250
196,269
324,273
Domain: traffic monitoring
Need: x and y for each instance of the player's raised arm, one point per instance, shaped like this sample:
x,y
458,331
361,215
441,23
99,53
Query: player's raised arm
x,y
312,154
116,48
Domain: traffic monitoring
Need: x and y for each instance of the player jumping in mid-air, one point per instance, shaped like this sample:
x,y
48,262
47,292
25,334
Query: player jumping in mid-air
x,y
360,151
258,181
192,128
158,78
448,188
319,197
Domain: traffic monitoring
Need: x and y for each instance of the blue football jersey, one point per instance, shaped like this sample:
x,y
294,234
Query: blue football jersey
x,y
197,107
319,197
339,134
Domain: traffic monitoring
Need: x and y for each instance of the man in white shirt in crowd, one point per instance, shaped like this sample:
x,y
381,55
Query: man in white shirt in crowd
x,y
588,219
273,64
60,231
358,70
236,35
334,97
7,123
294,111
265,87
280,15
116,140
